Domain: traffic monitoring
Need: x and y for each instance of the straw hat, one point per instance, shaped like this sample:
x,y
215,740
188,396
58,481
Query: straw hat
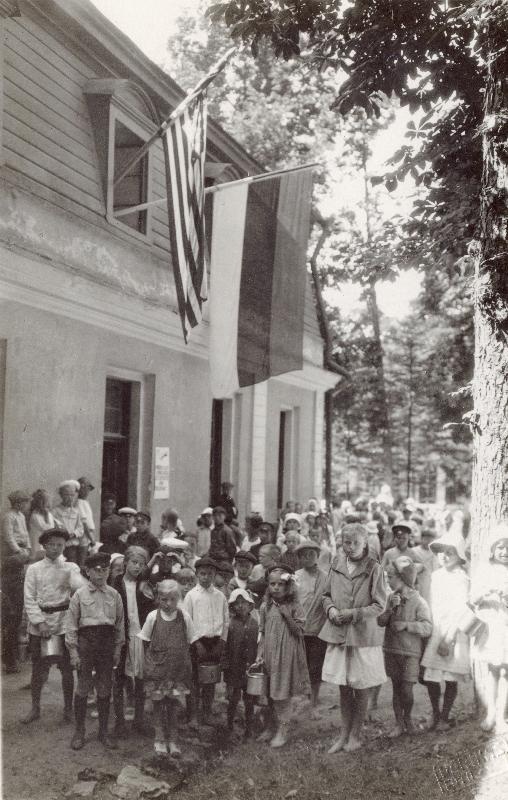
x,y
450,539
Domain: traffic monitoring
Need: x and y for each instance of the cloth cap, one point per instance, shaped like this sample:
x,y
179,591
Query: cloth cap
x,y
406,569
75,484
50,532
219,510
97,560
308,546
205,562
291,515
207,510
86,482
127,510
402,527
450,539
144,514
245,555
227,485
18,496
225,568
236,593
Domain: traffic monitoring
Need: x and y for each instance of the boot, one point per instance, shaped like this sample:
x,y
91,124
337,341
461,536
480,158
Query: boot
x,y
248,720
39,675
68,691
103,709
231,715
78,740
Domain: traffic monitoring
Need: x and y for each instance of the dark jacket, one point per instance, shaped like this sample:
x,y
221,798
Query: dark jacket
x,y
145,604
222,544
240,652
146,540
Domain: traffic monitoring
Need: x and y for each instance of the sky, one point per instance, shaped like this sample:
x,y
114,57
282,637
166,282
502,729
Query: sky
x,y
149,24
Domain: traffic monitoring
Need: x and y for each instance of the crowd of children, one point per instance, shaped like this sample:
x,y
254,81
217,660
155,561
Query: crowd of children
x,y
350,598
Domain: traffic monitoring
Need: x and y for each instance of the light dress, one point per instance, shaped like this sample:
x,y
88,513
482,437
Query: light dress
x,y
357,667
491,598
134,659
448,603
284,653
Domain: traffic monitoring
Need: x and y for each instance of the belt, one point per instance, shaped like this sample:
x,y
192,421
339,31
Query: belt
x,y
54,609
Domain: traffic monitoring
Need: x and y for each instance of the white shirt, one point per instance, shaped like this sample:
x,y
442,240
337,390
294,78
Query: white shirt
x,y
50,583
146,631
208,609
85,510
204,537
306,584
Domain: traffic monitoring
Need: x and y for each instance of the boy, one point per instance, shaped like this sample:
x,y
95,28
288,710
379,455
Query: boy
x,y
143,537
49,584
310,581
222,542
429,560
241,650
407,621
186,579
94,635
244,563
208,610
289,557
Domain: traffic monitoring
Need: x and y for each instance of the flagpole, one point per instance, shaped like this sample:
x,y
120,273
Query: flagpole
x,y
203,83
264,176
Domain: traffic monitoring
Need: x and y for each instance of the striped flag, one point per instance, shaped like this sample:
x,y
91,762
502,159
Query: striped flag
x,y
257,280
184,152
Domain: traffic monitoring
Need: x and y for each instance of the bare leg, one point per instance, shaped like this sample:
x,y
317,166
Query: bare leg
x,y
434,690
159,713
346,712
406,697
171,718
502,696
360,703
398,729
491,689
283,715
373,701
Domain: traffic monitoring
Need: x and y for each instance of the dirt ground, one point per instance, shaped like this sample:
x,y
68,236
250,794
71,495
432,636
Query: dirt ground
x,y
39,765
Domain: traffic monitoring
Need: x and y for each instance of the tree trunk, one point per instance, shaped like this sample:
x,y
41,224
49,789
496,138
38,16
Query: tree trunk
x,y
490,385
384,421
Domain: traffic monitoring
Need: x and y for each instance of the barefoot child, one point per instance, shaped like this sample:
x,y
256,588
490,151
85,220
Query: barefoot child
x,y
407,622
240,653
311,582
355,595
281,648
167,633
137,599
491,599
94,635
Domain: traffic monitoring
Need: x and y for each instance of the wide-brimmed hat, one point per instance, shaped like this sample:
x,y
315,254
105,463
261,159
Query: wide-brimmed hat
x,y
236,593
450,539
406,569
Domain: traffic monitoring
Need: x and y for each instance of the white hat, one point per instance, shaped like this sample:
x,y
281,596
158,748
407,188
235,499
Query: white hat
x,y
174,543
114,556
292,516
207,510
450,539
372,527
236,593
75,484
127,510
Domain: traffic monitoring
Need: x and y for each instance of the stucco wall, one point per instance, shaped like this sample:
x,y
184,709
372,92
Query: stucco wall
x,y
54,406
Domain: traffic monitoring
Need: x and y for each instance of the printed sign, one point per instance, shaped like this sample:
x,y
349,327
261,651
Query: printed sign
x,y
161,482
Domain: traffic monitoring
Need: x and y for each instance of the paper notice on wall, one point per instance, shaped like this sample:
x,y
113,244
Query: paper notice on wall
x,y
161,482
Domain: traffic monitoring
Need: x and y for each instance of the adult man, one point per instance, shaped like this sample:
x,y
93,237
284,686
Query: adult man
x,y
222,543
69,517
401,532
227,502
49,584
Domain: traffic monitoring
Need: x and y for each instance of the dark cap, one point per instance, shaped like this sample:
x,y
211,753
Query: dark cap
x,y
86,482
225,568
205,562
53,532
97,560
144,514
219,510
245,555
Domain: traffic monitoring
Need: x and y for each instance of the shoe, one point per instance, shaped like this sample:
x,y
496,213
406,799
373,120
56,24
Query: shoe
x,y
160,747
34,714
107,741
174,750
78,740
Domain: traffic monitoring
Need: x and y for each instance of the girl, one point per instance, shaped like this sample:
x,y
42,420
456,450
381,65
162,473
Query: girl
x,y
354,596
40,519
281,648
137,599
446,656
167,633
491,600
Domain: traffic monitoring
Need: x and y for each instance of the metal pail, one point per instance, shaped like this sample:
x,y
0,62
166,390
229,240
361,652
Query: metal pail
x,y
209,673
53,646
257,682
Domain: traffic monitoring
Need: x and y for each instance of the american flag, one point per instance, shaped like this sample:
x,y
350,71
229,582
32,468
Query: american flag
x,y
184,152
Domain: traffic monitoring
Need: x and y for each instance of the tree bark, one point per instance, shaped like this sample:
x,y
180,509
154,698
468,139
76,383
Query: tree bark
x,y
490,385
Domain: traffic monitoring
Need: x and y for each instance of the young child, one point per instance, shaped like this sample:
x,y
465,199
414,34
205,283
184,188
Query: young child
x,y
240,653
446,656
138,601
407,622
354,596
281,648
491,600
244,564
208,610
311,582
186,579
48,587
290,557
168,633
94,635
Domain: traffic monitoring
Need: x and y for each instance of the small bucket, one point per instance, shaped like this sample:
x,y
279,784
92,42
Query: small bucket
x,y
469,623
52,647
209,673
257,682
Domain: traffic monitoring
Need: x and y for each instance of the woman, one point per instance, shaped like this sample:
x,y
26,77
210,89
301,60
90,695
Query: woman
x,y
40,519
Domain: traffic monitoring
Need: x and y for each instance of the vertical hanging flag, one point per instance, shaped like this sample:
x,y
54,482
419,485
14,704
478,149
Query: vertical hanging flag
x,y
257,279
184,153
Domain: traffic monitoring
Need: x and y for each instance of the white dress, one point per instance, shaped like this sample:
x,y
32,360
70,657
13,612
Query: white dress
x,y
448,598
135,653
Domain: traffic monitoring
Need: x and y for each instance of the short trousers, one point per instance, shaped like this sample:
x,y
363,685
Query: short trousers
x,y
95,648
402,668
315,650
